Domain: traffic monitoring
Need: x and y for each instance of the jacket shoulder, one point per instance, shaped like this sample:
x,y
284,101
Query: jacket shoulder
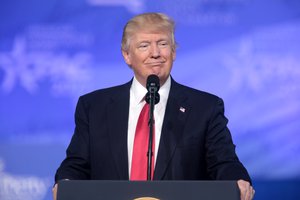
x,y
105,94
196,94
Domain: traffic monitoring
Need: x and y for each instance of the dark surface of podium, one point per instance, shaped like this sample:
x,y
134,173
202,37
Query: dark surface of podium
x,y
163,190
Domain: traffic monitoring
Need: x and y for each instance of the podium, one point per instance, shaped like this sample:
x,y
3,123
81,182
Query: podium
x,y
162,190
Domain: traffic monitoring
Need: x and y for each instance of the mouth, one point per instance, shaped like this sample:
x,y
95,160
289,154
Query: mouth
x,y
155,64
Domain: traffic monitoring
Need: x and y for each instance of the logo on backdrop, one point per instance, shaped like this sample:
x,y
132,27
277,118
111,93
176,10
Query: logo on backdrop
x,y
134,6
22,187
29,68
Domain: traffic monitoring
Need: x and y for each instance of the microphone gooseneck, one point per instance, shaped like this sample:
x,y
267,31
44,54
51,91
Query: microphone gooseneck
x,y
152,98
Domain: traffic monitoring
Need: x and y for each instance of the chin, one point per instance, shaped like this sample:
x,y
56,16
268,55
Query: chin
x,y
156,71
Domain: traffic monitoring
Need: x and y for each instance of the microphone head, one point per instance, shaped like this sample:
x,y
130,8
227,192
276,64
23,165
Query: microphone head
x,y
152,83
152,87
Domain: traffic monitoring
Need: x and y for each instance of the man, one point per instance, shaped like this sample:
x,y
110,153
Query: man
x,y
191,140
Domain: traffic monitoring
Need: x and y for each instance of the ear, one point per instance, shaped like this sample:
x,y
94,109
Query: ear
x,y
174,54
126,57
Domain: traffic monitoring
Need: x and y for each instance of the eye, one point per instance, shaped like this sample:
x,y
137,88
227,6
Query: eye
x,y
143,46
163,44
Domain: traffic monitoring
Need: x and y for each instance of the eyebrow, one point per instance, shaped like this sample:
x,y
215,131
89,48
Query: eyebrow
x,y
148,41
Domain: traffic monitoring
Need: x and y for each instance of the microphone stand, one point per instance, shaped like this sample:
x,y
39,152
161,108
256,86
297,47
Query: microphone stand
x,y
150,124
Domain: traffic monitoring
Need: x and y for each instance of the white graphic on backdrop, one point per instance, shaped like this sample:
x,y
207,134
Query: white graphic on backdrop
x,y
256,71
67,74
13,187
134,6
203,12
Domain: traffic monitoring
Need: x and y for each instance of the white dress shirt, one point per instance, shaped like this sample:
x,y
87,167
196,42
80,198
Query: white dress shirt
x,y
137,94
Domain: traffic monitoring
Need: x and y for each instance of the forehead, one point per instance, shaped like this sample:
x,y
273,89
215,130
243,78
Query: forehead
x,y
150,36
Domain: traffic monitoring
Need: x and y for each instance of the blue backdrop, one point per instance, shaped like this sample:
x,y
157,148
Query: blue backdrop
x,y
245,51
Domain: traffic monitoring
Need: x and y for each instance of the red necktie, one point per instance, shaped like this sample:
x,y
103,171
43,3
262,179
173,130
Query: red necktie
x,y
140,147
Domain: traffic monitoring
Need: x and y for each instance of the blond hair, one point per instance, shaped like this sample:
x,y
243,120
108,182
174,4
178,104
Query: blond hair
x,y
149,22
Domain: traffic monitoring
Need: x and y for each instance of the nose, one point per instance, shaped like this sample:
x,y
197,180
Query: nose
x,y
155,51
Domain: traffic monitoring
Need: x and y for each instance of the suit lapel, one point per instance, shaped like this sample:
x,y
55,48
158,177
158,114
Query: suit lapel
x,y
176,113
118,110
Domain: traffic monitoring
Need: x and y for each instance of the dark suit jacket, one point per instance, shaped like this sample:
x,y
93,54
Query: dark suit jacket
x,y
195,142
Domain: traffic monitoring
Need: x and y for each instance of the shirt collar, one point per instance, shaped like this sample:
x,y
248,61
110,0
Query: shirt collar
x,y
138,91
164,91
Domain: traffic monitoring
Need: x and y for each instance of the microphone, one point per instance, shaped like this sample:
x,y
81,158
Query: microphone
x,y
152,87
152,98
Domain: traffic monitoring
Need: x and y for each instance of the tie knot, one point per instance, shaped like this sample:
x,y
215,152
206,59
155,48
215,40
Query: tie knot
x,y
145,110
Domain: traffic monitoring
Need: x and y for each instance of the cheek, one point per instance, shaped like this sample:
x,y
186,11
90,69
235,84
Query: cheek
x,y
168,53
139,57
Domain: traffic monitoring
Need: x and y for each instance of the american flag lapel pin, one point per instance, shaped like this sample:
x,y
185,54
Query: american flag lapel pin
x,y
182,109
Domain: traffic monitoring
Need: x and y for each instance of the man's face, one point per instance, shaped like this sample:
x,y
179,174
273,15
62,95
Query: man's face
x,y
150,53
